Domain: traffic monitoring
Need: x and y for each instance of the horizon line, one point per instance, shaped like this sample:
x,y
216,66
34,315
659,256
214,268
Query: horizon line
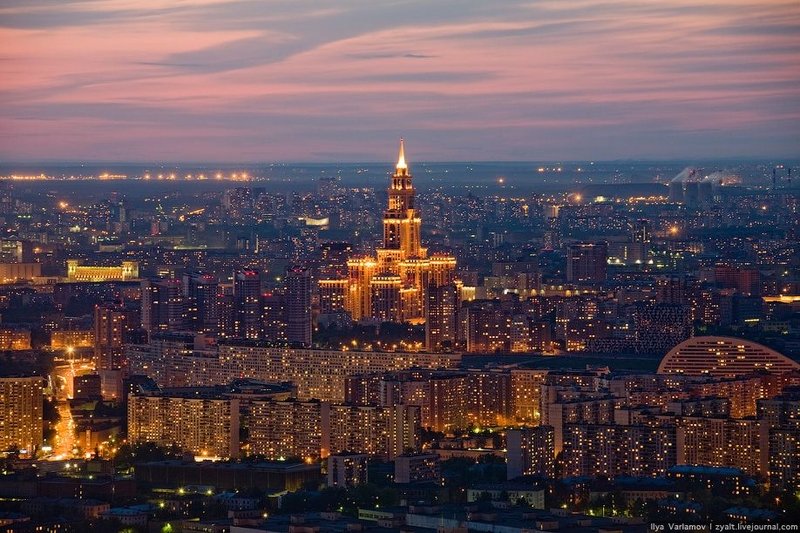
x,y
746,159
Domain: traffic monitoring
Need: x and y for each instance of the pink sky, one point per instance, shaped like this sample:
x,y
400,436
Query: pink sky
x,y
257,80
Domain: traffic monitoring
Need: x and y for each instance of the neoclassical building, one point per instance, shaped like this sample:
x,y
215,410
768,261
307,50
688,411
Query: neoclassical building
x,y
392,285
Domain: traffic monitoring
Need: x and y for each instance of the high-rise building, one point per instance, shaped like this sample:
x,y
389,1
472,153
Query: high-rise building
x,y
671,290
530,451
614,450
332,296
385,293
488,398
21,424
274,315
587,262
247,304
526,394
347,469
392,285
441,316
416,468
488,327
784,458
298,305
312,429
441,395
163,306
112,322
227,317
203,426
291,428
175,360
202,302
722,442
374,430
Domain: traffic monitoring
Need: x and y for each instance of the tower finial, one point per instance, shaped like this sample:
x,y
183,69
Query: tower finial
x,y
401,158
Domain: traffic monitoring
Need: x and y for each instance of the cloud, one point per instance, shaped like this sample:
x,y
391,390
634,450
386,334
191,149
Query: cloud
x,y
232,79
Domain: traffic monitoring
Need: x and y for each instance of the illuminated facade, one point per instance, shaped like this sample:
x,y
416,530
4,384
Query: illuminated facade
x,y
374,430
202,426
610,450
723,357
722,442
290,428
313,429
531,451
526,394
128,270
391,286
332,296
173,360
15,339
111,323
74,338
21,413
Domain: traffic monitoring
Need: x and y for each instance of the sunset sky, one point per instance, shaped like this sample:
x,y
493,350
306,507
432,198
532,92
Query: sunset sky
x,y
303,80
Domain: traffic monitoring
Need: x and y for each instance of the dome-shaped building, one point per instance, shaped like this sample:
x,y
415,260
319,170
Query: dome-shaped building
x,y
723,357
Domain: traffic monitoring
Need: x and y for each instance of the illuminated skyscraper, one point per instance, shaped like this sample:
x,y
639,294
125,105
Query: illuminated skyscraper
x,y
202,302
204,426
163,306
111,324
531,451
298,305
392,286
247,304
587,263
441,317
273,312
21,413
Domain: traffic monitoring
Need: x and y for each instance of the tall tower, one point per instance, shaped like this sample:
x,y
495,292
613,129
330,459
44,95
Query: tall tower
x,y
587,262
111,324
202,302
163,306
401,224
392,286
247,304
298,305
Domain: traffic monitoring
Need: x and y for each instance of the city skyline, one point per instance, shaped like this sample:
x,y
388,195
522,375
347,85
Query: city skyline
x,y
242,81
234,299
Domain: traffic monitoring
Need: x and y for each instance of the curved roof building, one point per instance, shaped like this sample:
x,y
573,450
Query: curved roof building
x,y
723,357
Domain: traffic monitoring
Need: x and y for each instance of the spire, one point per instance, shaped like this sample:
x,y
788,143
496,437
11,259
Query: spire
x,y
401,158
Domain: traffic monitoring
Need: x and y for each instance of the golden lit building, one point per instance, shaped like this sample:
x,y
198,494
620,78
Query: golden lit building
x,y
288,428
723,357
21,413
375,430
71,338
173,360
723,442
332,296
313,429
15,339
126,271
526,394
392,285
206,427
